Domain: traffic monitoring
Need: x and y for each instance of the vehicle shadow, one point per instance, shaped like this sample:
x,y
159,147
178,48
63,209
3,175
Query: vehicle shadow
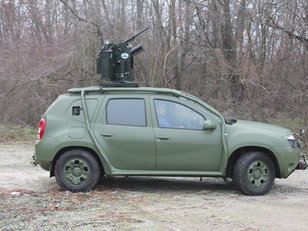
x,y
165,184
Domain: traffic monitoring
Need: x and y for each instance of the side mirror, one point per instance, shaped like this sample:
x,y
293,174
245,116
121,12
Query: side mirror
x,y
209,125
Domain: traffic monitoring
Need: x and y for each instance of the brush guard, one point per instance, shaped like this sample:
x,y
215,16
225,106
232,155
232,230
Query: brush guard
x,y
302,164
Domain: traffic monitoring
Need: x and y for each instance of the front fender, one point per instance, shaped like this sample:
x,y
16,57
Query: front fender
x,y
285,156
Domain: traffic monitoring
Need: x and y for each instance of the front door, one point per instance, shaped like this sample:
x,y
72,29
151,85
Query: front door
x,y
181,142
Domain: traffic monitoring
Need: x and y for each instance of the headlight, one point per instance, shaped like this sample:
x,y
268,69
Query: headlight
x,y
293,142
290,137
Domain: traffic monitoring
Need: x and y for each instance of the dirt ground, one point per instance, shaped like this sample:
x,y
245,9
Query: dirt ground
x,y
30,200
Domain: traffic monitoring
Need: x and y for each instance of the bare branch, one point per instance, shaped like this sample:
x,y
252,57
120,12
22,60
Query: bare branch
x,y
291,33
99,32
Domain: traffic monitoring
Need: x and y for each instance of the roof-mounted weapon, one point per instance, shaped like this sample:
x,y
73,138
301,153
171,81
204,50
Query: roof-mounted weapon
x,y
116,62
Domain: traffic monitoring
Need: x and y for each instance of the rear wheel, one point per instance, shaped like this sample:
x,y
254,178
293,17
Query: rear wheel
x,y
254,173
77,171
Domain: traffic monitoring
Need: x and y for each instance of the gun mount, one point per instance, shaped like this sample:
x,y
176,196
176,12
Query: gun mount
x,y
116,62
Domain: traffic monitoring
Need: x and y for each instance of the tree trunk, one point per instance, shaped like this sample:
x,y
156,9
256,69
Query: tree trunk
x,y
229,48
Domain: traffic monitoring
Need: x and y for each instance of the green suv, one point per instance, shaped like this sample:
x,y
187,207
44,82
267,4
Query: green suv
x,y
138,131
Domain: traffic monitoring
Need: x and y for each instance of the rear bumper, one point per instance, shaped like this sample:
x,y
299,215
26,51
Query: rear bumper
x,y
45,152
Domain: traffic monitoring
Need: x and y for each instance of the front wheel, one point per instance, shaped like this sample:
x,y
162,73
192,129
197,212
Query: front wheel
x,y
254,173
77,171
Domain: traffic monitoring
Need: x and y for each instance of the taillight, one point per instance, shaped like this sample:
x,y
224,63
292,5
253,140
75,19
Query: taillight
x,y
41,129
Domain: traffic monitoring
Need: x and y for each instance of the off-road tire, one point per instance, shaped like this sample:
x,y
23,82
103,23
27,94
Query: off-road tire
x,y
77,170
254,173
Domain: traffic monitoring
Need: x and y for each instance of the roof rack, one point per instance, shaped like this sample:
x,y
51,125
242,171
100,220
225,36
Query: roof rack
x,y
120,84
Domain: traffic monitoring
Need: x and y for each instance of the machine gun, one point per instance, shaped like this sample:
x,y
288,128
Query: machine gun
x,y
116,62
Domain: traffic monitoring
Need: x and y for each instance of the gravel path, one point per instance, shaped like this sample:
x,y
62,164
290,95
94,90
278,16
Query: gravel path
x,y
30,200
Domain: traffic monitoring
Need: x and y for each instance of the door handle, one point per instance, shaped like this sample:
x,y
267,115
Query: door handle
x,y
106,135
162,138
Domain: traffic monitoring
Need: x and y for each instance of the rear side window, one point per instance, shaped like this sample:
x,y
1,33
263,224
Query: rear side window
x,y
129,112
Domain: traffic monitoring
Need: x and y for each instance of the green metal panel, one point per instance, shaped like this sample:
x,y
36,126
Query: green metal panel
x,y
128,147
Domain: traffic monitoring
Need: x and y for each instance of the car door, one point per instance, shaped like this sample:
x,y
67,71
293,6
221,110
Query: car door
x,y
181,142
125,133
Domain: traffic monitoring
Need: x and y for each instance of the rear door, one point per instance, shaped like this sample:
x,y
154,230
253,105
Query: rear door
x,y
125,133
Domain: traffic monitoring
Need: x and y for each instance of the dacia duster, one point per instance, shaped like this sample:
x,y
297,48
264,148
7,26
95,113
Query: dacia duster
x,y
139,131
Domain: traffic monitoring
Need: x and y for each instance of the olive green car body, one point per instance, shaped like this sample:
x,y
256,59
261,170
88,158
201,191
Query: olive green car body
x,y
152,150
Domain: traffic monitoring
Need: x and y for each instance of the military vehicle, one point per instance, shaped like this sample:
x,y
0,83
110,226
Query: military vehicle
x,y
120,129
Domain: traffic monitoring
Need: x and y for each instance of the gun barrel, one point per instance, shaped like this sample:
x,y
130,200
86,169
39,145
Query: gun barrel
x,y
134,36
135,50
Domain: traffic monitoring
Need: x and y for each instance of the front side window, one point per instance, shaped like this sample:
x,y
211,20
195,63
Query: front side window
x,y
129,112
174,115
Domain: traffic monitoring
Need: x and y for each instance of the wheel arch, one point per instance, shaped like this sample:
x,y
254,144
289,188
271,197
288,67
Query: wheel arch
x,y
242,150
65,149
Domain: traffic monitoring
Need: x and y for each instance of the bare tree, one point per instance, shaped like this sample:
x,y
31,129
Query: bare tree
x,y
248,58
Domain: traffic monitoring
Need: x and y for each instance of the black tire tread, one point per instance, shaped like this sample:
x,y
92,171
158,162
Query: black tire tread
x,y
95,169
240,169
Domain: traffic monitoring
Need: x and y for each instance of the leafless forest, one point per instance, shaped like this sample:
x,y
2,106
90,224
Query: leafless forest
x,y
247,58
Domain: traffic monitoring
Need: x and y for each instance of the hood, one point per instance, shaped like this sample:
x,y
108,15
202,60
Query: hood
x,y
262,127
249,132
257,131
